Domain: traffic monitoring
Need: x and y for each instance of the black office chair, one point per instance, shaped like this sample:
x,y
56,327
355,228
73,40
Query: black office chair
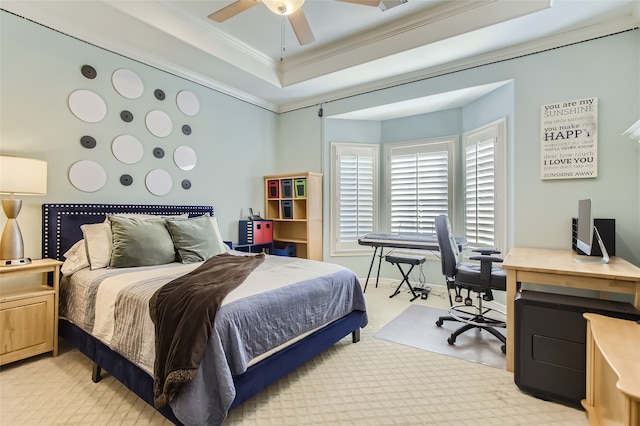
x,y
480,278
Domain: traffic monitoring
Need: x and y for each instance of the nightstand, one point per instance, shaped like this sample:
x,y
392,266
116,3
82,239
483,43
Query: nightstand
x,y
29,312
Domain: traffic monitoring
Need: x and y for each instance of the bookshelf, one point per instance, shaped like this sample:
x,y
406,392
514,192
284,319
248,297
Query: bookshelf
x,y
294,203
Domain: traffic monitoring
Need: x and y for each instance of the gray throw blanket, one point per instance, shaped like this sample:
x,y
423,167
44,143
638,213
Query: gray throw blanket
x,y
183,312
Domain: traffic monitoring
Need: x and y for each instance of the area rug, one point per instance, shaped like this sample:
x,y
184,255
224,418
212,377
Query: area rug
x,y
416,327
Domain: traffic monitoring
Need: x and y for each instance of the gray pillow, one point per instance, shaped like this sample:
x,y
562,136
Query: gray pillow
x,y
194,239
140,242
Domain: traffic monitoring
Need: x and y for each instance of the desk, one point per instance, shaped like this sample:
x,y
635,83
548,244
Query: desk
x,y
613,372
559,268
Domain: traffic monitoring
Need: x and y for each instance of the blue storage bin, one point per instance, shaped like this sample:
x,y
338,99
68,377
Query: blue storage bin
x,y
284,249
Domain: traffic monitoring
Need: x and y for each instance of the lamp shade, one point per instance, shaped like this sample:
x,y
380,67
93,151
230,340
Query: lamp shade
x,y
283,7
22,176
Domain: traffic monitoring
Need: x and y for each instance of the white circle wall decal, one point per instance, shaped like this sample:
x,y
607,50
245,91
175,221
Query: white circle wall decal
x,y
87,106
159,182
185,157
87,176
188,103
127,149
158,123
127,83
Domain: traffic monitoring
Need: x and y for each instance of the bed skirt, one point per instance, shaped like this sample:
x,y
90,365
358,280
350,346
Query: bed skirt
x,y
255,379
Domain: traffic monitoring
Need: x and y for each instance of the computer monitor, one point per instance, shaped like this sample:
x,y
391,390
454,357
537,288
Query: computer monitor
x,y
586,232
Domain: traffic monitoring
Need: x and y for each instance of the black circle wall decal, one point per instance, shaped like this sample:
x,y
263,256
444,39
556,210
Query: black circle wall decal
x,y
158,152
186,184
186,129
126,180
159,94
88,141
89,71
126,116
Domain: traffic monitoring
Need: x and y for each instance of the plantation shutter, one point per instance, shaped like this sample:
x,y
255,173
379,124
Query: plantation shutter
x,y
480,197
355,198
419,186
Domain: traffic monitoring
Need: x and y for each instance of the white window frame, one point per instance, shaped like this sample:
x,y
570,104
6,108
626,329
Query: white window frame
x,y
448,144
496,130
339,149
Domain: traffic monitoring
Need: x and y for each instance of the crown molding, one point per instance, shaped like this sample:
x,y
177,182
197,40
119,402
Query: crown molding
x,y
523,49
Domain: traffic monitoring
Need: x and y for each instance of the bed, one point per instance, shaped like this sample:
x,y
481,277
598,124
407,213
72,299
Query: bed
x,y
252,343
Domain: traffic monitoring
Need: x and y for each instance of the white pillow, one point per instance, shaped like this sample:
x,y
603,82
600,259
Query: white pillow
x,y
222,246
97,239
75,259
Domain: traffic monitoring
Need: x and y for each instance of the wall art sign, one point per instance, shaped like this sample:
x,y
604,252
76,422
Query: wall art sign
x,y
569,140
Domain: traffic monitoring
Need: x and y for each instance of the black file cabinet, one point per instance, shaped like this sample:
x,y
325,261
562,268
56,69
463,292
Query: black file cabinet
x,y
550,343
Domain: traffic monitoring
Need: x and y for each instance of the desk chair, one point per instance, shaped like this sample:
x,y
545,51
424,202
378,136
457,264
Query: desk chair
x,y
480,278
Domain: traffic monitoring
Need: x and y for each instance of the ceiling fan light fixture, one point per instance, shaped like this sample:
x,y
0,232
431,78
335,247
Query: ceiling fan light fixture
x,y
283,7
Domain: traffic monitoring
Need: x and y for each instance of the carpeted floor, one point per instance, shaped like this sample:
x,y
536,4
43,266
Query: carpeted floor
x,y
416,327
373,382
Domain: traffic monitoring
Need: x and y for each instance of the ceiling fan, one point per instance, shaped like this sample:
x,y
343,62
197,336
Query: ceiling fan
x,y
292,9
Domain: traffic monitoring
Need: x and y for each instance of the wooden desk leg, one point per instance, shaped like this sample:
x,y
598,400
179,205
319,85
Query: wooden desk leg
x,y
512,288
588,402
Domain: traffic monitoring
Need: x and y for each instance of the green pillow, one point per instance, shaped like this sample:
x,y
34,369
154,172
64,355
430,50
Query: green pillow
x,y
140,242
194,239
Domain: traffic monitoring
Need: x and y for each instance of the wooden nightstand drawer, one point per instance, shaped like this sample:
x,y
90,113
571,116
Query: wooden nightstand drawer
x,y
27,327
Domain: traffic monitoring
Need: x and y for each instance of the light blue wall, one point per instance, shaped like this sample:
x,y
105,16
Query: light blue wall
x,y
417,127
299,142
235,142
238,143
540,211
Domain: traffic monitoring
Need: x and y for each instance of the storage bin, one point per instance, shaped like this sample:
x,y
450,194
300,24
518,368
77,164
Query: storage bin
x,y
284,249
255,231
273,188
287,209
300,187
287,188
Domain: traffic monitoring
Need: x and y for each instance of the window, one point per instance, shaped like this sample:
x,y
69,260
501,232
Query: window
x,y
354,195
462,177
484,183
419,183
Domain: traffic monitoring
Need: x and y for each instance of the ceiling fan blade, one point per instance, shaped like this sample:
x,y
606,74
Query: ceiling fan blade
x,y
301,27
373,3
232,10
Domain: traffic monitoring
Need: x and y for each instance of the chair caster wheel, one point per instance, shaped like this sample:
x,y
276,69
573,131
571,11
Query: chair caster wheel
x,y
458,299
504,349
439,323
468,301
451,341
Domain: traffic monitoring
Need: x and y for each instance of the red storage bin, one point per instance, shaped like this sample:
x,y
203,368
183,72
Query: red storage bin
x,y
273,188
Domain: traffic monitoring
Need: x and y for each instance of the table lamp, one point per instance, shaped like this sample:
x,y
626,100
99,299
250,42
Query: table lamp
x,y
18,176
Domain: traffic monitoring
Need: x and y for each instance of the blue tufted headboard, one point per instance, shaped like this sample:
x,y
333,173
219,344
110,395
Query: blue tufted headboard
x,y
61,222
